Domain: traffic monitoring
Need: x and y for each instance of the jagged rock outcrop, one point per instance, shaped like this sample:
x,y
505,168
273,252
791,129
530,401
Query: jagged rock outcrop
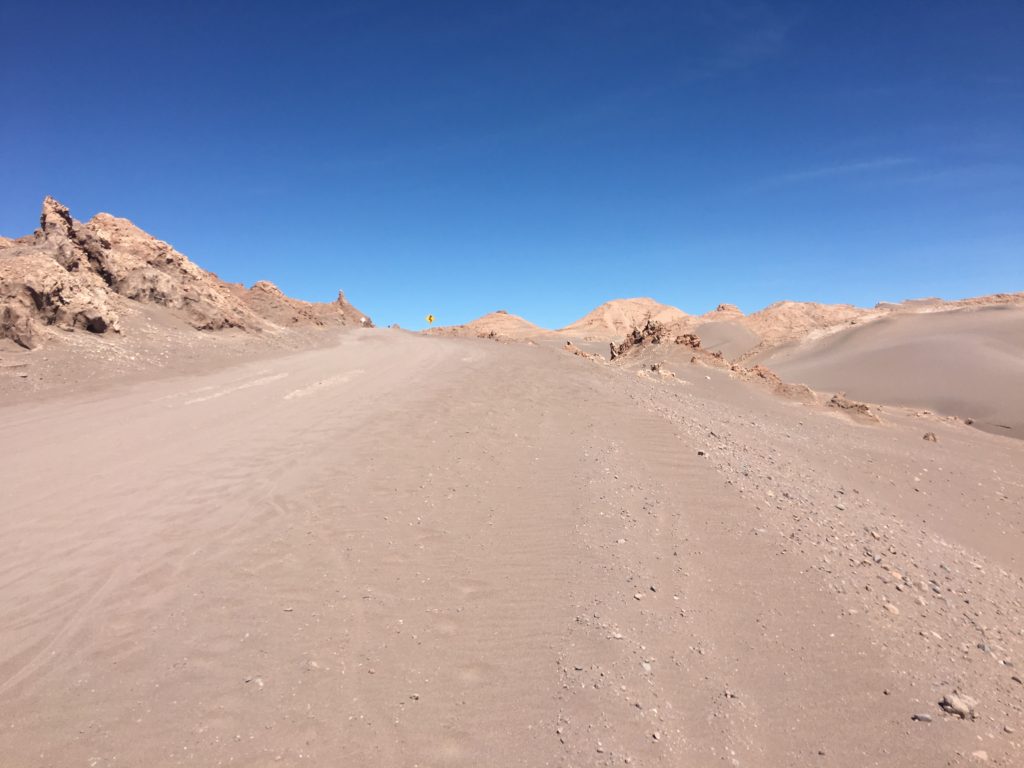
x,y
45,280
723,312
574,350
653,332
36,291
858,411
138,266
270,303
72,275
759,374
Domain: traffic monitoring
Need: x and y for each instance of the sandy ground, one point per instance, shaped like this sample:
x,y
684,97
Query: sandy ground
x,y
420,551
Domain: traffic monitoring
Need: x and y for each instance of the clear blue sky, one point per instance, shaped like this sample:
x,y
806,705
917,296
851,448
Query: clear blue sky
x,y
540,157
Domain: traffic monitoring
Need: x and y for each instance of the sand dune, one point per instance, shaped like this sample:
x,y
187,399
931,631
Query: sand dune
x,y
967,363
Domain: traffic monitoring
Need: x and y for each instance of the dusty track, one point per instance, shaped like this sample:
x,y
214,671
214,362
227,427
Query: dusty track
x,y
426,551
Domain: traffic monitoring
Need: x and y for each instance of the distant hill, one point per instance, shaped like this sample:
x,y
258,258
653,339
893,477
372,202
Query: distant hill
x,y
614,319
500,324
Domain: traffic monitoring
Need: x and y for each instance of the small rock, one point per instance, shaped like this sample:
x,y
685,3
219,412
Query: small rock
x,y
959,705
656,735
981,754
921,718
892,609
930,437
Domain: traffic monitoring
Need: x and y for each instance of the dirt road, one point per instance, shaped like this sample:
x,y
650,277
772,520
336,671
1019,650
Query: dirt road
x,y
410,551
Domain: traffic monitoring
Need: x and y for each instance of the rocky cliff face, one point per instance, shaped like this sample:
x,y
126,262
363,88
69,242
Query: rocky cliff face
x,y
71,276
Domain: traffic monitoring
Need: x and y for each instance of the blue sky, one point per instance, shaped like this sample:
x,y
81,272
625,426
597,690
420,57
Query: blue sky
x,y
539,157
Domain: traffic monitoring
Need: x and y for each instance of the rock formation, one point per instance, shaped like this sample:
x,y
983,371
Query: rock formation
x,y
652,332
71,275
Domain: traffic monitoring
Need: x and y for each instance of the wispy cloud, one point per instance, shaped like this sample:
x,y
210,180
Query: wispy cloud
x,y
749,33
854,168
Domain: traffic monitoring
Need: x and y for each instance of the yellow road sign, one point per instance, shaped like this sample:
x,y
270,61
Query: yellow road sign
x,y
430,319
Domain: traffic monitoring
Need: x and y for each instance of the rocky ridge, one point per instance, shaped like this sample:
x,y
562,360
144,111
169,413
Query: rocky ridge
x,y
71,276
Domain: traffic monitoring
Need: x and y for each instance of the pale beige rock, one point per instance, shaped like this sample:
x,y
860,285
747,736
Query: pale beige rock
x,y
71,275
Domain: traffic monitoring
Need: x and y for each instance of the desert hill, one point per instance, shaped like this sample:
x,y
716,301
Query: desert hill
x,y
495,325
614,319
70,276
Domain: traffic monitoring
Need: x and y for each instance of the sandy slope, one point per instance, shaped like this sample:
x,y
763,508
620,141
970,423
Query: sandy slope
x,y
726,336
967,363
407,550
